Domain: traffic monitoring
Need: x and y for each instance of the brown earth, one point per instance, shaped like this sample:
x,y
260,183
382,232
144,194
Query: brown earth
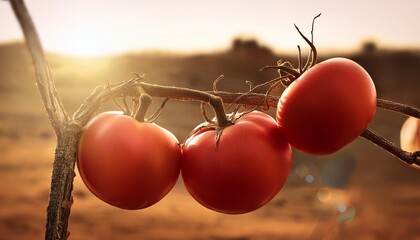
x,y
358,193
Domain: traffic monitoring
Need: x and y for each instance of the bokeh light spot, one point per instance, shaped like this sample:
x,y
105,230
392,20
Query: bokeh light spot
x,y
301,170
324,195
341,207
345,213
309,178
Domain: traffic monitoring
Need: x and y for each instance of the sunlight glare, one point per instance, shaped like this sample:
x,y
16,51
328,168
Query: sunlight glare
x,y
86,41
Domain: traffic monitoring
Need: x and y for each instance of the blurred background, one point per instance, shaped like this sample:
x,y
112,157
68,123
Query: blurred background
x,y
360,192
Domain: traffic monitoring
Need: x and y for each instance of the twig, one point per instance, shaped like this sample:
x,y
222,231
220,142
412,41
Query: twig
x,y
406,157
399,107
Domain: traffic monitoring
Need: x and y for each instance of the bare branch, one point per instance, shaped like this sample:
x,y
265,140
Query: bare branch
x,y
407,157
60,199
44,79
399,107
102,94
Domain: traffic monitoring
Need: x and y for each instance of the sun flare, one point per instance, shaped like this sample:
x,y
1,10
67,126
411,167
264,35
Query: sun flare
x,y
83,40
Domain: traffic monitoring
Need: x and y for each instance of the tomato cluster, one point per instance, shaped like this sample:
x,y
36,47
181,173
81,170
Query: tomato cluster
x,y
132,164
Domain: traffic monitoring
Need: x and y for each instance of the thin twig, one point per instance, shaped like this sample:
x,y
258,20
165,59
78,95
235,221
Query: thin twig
x,y
406,157
204,113
398,107
158,111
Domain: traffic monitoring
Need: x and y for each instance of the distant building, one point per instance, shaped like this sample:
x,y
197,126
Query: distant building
x,y
251,47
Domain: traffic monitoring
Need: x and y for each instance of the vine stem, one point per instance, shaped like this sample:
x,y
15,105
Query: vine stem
x,y
399,108
252,99
186,93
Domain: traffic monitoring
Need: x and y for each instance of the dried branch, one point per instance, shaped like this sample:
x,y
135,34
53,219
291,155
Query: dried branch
x,y
399,107
102,94
60,199
406,157
44,79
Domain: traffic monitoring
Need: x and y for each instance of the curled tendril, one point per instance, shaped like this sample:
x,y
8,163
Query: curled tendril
x,y
126,110
287,74
135,103
273,84
300,68
288,69
234,113
294,74
158,111
216,81
204,113
250,85
313,54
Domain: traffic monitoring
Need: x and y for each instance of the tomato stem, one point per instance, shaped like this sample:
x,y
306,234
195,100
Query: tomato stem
x,y
213,100
145,101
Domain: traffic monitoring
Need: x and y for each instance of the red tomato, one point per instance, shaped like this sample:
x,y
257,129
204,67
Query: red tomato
x,y
126,163
327,107
246,170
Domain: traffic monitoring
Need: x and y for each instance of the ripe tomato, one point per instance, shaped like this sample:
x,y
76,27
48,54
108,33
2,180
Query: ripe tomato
x,y
410,135
327,107
126,163
247,169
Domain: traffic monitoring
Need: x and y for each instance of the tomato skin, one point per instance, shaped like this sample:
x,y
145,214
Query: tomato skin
x,y
249,167
327,107
126,163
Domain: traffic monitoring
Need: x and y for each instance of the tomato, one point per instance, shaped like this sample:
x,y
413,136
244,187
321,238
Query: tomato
x,y
410,135
246,170
327,107
126,163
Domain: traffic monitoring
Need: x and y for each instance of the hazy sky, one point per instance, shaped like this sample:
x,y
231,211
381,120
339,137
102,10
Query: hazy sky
x,y
92,27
